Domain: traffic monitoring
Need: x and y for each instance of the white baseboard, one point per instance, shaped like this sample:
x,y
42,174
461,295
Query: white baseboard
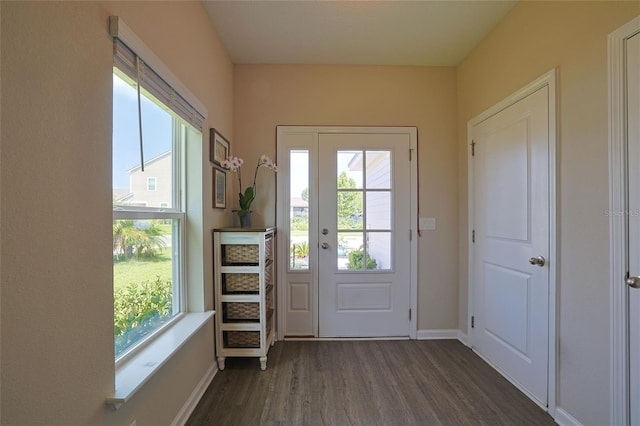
x,y
463,338
196,395
437,334
565,419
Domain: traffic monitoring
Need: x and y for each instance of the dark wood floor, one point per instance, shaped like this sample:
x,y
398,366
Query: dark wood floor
x,y
406,382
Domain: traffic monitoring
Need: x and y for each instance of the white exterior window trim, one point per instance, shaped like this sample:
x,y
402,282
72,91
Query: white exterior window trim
x,y
548,80
619,340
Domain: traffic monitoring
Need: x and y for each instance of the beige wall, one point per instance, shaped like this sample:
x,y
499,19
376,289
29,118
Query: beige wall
x,y
534,38
267,96
57,308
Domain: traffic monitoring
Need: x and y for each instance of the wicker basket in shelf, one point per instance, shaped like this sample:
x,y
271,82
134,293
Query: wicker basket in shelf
x,y
236,283
269,324
242,339
268,274
269,298
241,311
268,246
241,253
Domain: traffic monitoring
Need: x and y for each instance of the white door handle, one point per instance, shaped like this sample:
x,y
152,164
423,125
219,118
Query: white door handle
x,y
632,281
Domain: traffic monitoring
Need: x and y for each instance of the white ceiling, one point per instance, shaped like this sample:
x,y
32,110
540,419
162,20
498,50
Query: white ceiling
x,y
391,32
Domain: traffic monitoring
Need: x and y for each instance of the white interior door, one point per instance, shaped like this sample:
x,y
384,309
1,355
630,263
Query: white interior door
x,y
510,279
633,185
364,235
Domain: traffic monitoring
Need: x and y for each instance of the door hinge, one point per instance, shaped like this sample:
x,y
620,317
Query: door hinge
x,y
409,314
410,154
410,234
473,148
473,236
473,322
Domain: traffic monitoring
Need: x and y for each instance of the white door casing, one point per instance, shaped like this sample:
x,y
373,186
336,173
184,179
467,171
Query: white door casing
x,y
624,151
633,185
512,223
299,295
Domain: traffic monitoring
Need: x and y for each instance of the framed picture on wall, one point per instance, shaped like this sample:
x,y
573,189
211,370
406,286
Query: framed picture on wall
x,y
218,147
219,189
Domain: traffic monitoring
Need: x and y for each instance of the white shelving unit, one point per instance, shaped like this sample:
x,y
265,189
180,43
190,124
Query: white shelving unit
x,y
244,281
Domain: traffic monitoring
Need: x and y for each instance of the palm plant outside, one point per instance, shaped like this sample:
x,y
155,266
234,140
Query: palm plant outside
x,y
136,239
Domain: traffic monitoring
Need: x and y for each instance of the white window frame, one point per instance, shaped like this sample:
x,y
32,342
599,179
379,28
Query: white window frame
x,y
176,212
155,183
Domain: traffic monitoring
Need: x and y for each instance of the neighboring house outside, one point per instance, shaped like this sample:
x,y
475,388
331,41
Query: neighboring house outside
x,y
151,188
120,194
299,207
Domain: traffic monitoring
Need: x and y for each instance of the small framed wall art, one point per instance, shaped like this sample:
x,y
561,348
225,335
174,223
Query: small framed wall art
x,y
219,189
218,147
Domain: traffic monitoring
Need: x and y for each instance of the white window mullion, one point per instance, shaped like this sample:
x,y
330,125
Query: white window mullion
x,y
141,215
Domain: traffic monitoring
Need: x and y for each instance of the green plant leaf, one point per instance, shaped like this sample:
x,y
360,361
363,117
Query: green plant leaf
x,y
246,199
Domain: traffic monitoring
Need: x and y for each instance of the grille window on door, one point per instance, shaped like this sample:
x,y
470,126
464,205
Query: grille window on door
x,y
364,201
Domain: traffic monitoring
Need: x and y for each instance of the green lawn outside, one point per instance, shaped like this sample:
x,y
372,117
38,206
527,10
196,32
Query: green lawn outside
x,y
136,271
165,228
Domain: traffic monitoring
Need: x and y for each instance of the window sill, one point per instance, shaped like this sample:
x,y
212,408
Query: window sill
x,y
134,373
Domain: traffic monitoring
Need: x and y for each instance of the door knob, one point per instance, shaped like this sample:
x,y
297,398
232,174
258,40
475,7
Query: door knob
x,y
632,281
539,260
325,245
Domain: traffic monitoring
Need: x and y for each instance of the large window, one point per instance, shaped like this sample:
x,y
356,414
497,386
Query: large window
x,y
154,118
149,218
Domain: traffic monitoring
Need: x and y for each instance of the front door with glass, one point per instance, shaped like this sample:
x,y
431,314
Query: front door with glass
x,y
364,235
349,205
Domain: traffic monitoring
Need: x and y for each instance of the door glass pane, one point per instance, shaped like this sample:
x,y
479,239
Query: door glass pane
x,y
378,170
378,210
379,250
349,209
366,209
350,247
299,209
349,169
